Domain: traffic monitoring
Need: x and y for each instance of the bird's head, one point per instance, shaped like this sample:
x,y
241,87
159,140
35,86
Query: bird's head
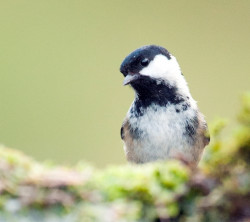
x,y
151,65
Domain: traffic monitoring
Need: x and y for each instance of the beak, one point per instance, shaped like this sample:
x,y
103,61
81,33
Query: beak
x,y
130,78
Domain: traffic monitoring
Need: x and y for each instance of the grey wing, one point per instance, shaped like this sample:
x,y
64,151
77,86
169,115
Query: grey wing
x,y
203,130
122,132
124,128
206,138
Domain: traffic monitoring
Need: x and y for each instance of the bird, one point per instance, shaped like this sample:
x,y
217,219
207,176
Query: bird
x,y
164,121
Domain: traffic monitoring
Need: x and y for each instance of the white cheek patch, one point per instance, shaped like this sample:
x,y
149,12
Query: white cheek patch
x,y
169,70
161,67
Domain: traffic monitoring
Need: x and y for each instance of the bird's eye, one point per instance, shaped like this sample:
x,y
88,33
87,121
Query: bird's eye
x,y
144,62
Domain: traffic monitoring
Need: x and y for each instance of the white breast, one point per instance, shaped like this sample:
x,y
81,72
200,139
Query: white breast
x,y
162,134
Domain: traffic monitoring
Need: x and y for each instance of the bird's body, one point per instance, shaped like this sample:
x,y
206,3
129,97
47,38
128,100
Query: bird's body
x,y
163,121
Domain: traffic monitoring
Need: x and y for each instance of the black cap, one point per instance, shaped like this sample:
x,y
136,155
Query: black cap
x,y
141,57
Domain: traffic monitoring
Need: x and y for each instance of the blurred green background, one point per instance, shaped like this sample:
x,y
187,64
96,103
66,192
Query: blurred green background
x,y
61,94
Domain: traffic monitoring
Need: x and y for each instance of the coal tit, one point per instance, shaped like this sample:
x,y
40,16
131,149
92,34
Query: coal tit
x,y
163,121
